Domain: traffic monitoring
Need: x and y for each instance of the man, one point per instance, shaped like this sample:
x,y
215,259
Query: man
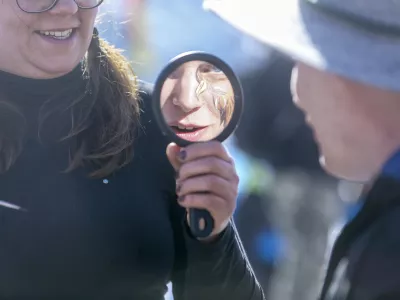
x,y
347,82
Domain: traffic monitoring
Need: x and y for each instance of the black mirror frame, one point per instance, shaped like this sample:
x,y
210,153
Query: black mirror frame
x,y
219,63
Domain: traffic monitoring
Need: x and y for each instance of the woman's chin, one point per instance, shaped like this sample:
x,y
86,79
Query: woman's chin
x,y
58,72
48,70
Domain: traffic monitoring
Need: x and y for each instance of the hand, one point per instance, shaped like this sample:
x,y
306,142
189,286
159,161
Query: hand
x,y
206,167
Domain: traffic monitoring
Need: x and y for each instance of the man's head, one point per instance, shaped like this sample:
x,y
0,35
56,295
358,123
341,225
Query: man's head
x,y
356,126
347,76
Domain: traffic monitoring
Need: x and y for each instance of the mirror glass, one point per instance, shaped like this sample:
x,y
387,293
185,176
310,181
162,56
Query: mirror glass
x,y
197,101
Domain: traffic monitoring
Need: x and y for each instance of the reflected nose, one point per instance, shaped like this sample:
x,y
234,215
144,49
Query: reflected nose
x,y
185,95
64,7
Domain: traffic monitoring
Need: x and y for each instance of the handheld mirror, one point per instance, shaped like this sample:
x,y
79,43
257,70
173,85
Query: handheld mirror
x,y
197,98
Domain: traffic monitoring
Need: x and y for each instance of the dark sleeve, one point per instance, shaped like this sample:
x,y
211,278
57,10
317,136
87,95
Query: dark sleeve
x,y
214,271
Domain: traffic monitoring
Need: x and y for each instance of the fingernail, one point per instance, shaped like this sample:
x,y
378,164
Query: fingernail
x,y
181,199
182,154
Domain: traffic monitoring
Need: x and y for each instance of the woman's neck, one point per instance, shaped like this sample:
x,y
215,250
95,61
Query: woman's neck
x,y
19,84
43,103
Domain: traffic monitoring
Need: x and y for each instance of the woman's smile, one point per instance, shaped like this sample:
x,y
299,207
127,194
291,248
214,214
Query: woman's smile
x,y
57,34
65,37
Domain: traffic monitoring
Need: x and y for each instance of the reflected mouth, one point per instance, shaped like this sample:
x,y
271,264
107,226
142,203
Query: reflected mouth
x,y
192,134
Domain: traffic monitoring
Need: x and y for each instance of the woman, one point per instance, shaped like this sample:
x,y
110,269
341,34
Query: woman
x,y
347,81
89,208
197,101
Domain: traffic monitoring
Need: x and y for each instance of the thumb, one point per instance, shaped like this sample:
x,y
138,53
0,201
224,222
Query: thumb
x,y
172,154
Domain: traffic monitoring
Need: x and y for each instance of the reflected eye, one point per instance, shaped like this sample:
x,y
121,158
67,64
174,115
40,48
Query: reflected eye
x,y
209,68
211,73
215,69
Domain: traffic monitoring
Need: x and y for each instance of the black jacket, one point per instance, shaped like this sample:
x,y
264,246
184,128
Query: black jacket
x,y
119,237
365,259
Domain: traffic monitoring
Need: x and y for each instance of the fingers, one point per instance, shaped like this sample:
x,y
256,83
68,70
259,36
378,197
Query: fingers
x,y
206,179
195,151
207,165
209,183
213,148
213,203
173,155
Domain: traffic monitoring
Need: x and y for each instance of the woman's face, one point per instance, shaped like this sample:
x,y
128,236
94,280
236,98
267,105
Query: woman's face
x,y
189,100
27,51
355,125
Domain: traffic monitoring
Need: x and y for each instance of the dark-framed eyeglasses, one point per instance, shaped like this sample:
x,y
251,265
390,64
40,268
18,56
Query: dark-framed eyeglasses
x,y
39,6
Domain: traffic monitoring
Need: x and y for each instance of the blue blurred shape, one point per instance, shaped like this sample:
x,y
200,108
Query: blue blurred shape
x,y
269,245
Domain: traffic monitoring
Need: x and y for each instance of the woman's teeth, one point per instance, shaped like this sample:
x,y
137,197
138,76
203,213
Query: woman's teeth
x,y
60,35
185,128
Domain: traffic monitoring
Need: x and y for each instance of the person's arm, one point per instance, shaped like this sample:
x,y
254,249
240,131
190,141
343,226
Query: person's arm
x,y
217,270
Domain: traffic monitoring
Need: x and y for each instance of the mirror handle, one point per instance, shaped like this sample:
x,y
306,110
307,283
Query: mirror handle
x,y
195,217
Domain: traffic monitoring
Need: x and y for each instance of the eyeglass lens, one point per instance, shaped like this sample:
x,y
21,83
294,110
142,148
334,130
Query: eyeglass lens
x,y
43,5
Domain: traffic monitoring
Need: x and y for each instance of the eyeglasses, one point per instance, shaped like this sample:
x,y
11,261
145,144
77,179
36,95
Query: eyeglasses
x,y
38,6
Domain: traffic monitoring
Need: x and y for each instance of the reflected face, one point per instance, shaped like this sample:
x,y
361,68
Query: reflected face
x,y
47,44
197,101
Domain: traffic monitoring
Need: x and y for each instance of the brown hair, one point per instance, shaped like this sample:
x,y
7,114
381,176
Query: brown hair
x,y
223,100
104,119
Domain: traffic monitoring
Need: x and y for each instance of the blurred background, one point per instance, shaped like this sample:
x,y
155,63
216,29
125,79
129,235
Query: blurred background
x,y
289,211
